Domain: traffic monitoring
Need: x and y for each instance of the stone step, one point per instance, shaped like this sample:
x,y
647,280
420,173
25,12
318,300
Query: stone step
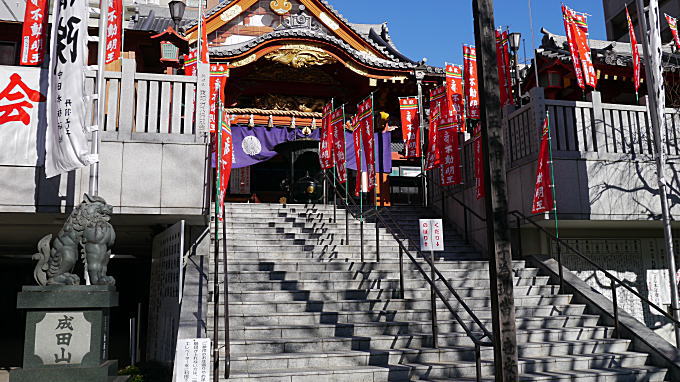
x,y
327,317
411,286
352,280
397,327
379,291
398,355
446,270
312,268
267,313
409,340
434,362
477,304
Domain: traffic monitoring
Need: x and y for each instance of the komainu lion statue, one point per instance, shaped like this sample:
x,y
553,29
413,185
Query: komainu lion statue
x,y
87,226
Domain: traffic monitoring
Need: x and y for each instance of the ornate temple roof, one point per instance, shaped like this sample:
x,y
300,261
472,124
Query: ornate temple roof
x,y
613,53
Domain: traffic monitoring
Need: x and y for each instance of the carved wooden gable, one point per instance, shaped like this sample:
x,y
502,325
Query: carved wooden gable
x,y
243,20
263,17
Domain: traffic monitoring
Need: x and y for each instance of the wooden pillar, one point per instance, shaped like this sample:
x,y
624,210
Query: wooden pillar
x,y
496,203
382,187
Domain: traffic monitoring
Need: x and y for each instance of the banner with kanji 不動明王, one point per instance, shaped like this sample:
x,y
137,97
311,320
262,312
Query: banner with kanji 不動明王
x,y
326,139
543,198
437,109
635,51
67,146
34,33
673,24
576,27
226,157
365,112
218,81
410,126
454,95
478,153
356,138
503,61
20,102
114,26
471,84
337,122
448,146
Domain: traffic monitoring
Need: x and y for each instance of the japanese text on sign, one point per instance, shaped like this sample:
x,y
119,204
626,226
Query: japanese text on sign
x,y
431,234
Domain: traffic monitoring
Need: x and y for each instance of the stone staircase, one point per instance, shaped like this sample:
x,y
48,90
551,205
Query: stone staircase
x,y
303,307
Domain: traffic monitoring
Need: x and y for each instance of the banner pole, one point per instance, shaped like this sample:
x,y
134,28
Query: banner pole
x,y
216,295
421,116
101,89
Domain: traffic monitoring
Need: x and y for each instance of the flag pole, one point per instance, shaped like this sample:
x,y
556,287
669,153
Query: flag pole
x,y
93,188
552,180
218,176
651,44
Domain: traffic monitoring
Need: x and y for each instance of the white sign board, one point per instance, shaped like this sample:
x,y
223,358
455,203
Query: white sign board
x,y
431,234
192,360
202,97
21,99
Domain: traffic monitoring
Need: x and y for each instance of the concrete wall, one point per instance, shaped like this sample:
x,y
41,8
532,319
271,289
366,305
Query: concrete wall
x,y
136,177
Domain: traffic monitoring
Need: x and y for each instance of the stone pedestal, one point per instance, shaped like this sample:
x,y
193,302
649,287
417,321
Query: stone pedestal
x,y
67,333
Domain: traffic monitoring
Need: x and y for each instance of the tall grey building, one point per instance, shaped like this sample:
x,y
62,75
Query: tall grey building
x,y
615,18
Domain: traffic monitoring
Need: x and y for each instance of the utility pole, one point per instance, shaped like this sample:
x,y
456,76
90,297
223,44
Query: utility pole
x,y
496,203
656,94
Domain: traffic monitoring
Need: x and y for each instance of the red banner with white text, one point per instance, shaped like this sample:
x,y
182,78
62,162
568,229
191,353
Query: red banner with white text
x,y
190,62
218,81
543,198
114,26
503,62
337,122
673,24
480,191
471,84
226,158
365,111
356,137
437,106
636,52
576,27
410,126
34,33
326,139
447,141
454,93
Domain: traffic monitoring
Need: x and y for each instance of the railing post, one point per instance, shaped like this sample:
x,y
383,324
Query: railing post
x,y
559,265
519,237
377,239
616,309
361,237
465,224
127,98
433,304
478,362
346,223
401,271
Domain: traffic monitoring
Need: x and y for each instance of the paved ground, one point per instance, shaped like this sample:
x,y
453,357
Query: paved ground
x,y
4,375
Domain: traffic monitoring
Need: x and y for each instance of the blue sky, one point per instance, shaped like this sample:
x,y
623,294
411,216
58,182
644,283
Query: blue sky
x,y
436,29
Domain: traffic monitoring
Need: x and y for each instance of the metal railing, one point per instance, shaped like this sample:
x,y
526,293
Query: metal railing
x,y
477,339
614,282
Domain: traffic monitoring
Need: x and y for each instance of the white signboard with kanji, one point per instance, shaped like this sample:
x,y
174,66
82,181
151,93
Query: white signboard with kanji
x,y
63,338
20,102
431,234
192,360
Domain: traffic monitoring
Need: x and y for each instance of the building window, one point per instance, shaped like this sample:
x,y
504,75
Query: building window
x,y
8,53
